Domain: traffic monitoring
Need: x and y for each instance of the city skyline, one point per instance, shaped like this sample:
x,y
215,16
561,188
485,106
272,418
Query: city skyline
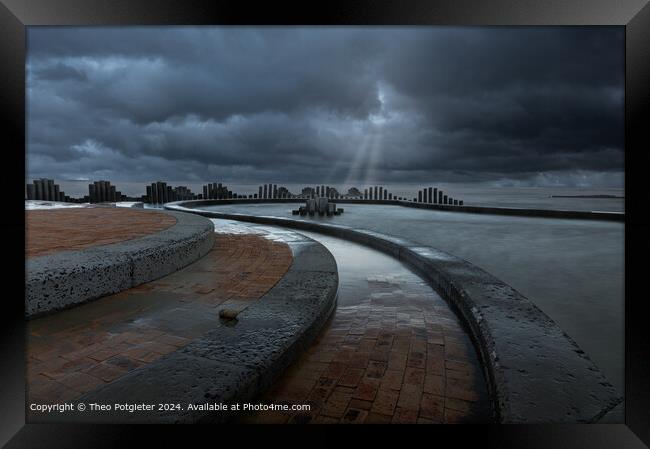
x,y
161,192
503,106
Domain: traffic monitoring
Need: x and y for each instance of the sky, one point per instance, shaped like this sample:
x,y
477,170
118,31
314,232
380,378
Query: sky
x,y
504,106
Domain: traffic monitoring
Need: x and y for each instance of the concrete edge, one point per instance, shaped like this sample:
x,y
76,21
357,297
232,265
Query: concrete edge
x,y
68,278
235,362
536,373
488,210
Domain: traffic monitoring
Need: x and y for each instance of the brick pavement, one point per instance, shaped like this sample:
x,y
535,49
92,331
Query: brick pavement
x,y
398,356
77,350
49,231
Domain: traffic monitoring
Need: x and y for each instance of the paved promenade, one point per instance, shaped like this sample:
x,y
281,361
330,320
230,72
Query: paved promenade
x,y
393,351
49,231
396,357
80,349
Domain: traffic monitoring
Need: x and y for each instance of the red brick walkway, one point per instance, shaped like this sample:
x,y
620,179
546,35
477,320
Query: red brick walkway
x,y
80,349
399,356
49,231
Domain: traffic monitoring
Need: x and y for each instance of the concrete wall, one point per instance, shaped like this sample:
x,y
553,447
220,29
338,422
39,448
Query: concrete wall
x,y
67,278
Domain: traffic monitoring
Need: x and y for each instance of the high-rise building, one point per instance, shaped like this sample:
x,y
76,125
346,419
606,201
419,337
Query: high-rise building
x,y
44,190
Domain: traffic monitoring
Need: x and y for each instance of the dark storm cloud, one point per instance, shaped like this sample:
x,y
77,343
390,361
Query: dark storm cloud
x,y
58,72
336,104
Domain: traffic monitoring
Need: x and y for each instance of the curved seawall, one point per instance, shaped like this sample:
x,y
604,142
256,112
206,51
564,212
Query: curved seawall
x,y
68,278
536,372
487,210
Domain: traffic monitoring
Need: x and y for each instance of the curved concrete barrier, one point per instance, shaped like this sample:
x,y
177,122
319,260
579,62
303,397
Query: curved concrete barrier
x,y
511,211
68,278
233,363
536,372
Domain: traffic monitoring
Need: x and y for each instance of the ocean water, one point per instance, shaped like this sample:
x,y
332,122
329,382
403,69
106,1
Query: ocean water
x,y
573,270
471,194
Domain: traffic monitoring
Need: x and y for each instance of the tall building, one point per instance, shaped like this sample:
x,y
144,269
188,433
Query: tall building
x,y
102,192
44,190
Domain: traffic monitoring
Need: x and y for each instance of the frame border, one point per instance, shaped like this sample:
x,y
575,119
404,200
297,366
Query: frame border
x,y
15,15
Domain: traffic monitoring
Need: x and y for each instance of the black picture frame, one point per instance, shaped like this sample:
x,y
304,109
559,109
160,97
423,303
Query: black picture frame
x,y
634,15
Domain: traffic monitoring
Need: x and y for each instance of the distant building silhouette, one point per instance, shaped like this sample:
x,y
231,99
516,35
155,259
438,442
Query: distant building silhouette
x,y
44,190
160,192
103,192
353,191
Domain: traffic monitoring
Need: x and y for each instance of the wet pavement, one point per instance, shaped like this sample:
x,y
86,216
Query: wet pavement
x,y
393,351
78,350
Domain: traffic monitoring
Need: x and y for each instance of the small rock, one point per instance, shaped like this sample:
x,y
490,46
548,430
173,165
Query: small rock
x,y
228,314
